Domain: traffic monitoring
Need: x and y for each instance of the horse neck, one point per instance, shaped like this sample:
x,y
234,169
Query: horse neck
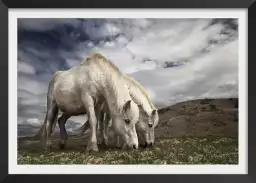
x,y
116,93
139,98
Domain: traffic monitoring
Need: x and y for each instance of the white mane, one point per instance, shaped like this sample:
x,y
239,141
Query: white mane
x,y
139,94
111,79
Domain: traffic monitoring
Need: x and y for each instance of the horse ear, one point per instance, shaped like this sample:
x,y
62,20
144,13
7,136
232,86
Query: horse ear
x,y
155,116
127,105
153,112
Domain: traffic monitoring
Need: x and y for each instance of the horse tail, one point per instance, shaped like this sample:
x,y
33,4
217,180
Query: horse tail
x,y
84,127
41,131
55,120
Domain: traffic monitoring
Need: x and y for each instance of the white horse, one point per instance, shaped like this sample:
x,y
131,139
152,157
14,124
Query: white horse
x,y
148,118
82,89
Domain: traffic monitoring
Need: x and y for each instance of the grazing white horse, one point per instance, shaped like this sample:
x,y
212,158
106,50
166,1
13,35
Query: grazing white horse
x,y
148,118
82,89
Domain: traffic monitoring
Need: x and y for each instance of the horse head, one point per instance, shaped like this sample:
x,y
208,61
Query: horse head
x,y
146,126
124,124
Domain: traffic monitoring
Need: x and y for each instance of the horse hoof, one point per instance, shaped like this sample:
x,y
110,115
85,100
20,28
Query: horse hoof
x,y
103,145
48,147
106,142
93,148
61,145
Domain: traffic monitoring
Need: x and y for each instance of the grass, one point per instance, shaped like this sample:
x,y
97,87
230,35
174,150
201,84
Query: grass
x,y
210,150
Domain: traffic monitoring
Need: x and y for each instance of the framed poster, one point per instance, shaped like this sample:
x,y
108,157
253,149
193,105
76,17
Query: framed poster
x,y
175,69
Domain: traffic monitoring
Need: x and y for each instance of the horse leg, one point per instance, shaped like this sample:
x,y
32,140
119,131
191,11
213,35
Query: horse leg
x,y
105,128
63,133
89,105
101,123
97,114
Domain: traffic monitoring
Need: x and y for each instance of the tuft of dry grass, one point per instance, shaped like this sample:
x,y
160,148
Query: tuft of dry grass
x,y
185,150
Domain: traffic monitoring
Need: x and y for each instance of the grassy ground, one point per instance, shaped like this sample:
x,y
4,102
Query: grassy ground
x,y
210,150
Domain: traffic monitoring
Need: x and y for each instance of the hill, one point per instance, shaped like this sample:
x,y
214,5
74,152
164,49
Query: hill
x,y
215,117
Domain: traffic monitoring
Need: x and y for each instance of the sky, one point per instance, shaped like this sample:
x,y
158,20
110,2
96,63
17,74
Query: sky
x,y
174,59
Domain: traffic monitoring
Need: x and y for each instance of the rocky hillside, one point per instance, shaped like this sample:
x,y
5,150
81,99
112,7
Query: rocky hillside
x,y
215,117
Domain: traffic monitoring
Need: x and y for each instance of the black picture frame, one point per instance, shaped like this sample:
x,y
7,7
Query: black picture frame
x,y
6,4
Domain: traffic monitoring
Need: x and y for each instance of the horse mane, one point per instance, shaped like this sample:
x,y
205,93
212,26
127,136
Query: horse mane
x,y
110,69
97,57
143,91
55,76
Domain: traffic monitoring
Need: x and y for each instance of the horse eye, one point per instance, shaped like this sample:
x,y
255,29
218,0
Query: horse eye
x,y
127,121
150,125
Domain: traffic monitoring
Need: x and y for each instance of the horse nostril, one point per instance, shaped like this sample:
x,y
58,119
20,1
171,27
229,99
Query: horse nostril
x,y
146,144
134,146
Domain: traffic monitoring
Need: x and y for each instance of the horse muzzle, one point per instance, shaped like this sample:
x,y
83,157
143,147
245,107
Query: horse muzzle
x,y
147,144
